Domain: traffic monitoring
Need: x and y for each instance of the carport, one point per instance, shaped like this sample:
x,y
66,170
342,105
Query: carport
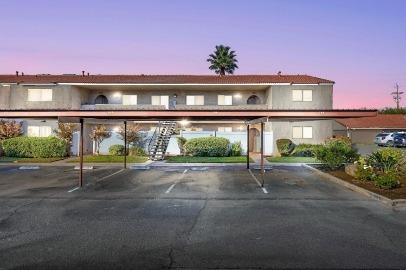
x,y
250,117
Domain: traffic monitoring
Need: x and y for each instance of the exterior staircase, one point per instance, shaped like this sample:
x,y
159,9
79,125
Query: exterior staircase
x,y
160,139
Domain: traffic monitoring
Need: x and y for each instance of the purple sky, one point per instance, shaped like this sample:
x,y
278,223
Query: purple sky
x,y
359,44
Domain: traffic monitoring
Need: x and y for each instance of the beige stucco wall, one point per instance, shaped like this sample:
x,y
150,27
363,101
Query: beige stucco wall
x,y
4,97
281,97
61,98
322,130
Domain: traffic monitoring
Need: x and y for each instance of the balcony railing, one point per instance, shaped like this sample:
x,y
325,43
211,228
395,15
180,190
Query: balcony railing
x,y
146,107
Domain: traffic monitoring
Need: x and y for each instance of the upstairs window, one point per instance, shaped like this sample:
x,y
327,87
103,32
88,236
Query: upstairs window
x,y
194,100
129,99
302,132
160,100
39,131
37,94
224,100
302,95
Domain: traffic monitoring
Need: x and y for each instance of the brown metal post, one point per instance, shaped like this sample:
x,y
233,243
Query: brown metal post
x,y
248,146
125,144
81,154
262,152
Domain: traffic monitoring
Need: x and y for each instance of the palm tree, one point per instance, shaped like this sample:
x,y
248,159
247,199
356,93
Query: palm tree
x,y
223,60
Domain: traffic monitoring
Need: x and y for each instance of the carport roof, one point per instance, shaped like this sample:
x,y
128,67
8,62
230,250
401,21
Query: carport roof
x,y
380,121
188,114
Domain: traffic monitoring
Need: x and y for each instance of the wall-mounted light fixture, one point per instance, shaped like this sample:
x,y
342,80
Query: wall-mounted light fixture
x,y
117,95
238,95
184,122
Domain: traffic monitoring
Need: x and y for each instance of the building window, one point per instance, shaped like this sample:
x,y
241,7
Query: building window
x,y
302,95
160,100
194,100
39,131
302,132
129,99
224,100
39,94
224,129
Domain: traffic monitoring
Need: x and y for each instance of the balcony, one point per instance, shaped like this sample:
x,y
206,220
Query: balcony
x,y
180,107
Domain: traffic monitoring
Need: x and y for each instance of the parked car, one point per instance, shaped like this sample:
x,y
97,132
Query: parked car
x,y
384,139
399,140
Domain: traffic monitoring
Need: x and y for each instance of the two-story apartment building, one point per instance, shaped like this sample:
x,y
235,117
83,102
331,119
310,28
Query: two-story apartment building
x,y
203,102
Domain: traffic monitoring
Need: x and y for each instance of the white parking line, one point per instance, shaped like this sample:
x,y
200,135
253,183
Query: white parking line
x,y
73,189
174,184
170,188
110,175
259,184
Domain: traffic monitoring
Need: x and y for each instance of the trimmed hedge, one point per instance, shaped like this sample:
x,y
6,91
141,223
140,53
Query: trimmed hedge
x,y
36,147
207,147
235,149
285,147
116,150
137,151
305,150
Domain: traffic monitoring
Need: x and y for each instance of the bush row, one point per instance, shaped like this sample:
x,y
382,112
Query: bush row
x,y
33,147
118,150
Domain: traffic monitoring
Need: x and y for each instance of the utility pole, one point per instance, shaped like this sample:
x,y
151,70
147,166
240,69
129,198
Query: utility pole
x,y
397,95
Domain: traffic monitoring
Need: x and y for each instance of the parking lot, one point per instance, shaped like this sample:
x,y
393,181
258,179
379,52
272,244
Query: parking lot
x,y
192,217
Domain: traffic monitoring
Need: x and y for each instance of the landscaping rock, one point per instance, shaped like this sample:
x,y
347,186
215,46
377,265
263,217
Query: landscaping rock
x,y
350,169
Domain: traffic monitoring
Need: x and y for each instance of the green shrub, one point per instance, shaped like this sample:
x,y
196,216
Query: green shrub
x,y
181,143
334,153
37,147
387,159
137,151
285,147
116,150
235,149
363,171
305,150
388,180
207,147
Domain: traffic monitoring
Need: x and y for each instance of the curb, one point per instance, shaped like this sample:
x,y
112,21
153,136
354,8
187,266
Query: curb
x,y
397,204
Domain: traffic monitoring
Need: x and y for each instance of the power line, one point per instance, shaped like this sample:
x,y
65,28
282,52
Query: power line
x,y
397,95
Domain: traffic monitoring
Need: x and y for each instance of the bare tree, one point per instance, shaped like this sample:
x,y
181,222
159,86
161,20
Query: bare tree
x,y
65,132
133,134
98,135
10,129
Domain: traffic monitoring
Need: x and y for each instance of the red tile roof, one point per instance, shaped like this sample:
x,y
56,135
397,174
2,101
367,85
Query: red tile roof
x,y
164,79
381,121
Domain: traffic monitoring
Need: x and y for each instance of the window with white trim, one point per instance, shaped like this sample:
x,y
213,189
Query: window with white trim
x,y
36,94
225,100
160,100
129,99
194,100
302,132
39,131
302,95
224,129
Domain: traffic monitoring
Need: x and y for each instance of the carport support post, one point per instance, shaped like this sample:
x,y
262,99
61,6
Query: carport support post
x,y
262,152
248,146
81,154
125,144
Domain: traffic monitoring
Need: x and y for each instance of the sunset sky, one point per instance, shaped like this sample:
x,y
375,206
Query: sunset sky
x,y
361,45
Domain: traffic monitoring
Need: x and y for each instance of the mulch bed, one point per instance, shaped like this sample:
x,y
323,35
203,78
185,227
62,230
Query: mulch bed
x,y
397,193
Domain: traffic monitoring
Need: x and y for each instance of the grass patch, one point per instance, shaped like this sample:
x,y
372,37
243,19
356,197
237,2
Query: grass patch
x,y
28,160
188,159
110,159
293,159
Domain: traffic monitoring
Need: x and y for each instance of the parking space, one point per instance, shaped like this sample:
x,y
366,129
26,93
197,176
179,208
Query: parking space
x,y
192,218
